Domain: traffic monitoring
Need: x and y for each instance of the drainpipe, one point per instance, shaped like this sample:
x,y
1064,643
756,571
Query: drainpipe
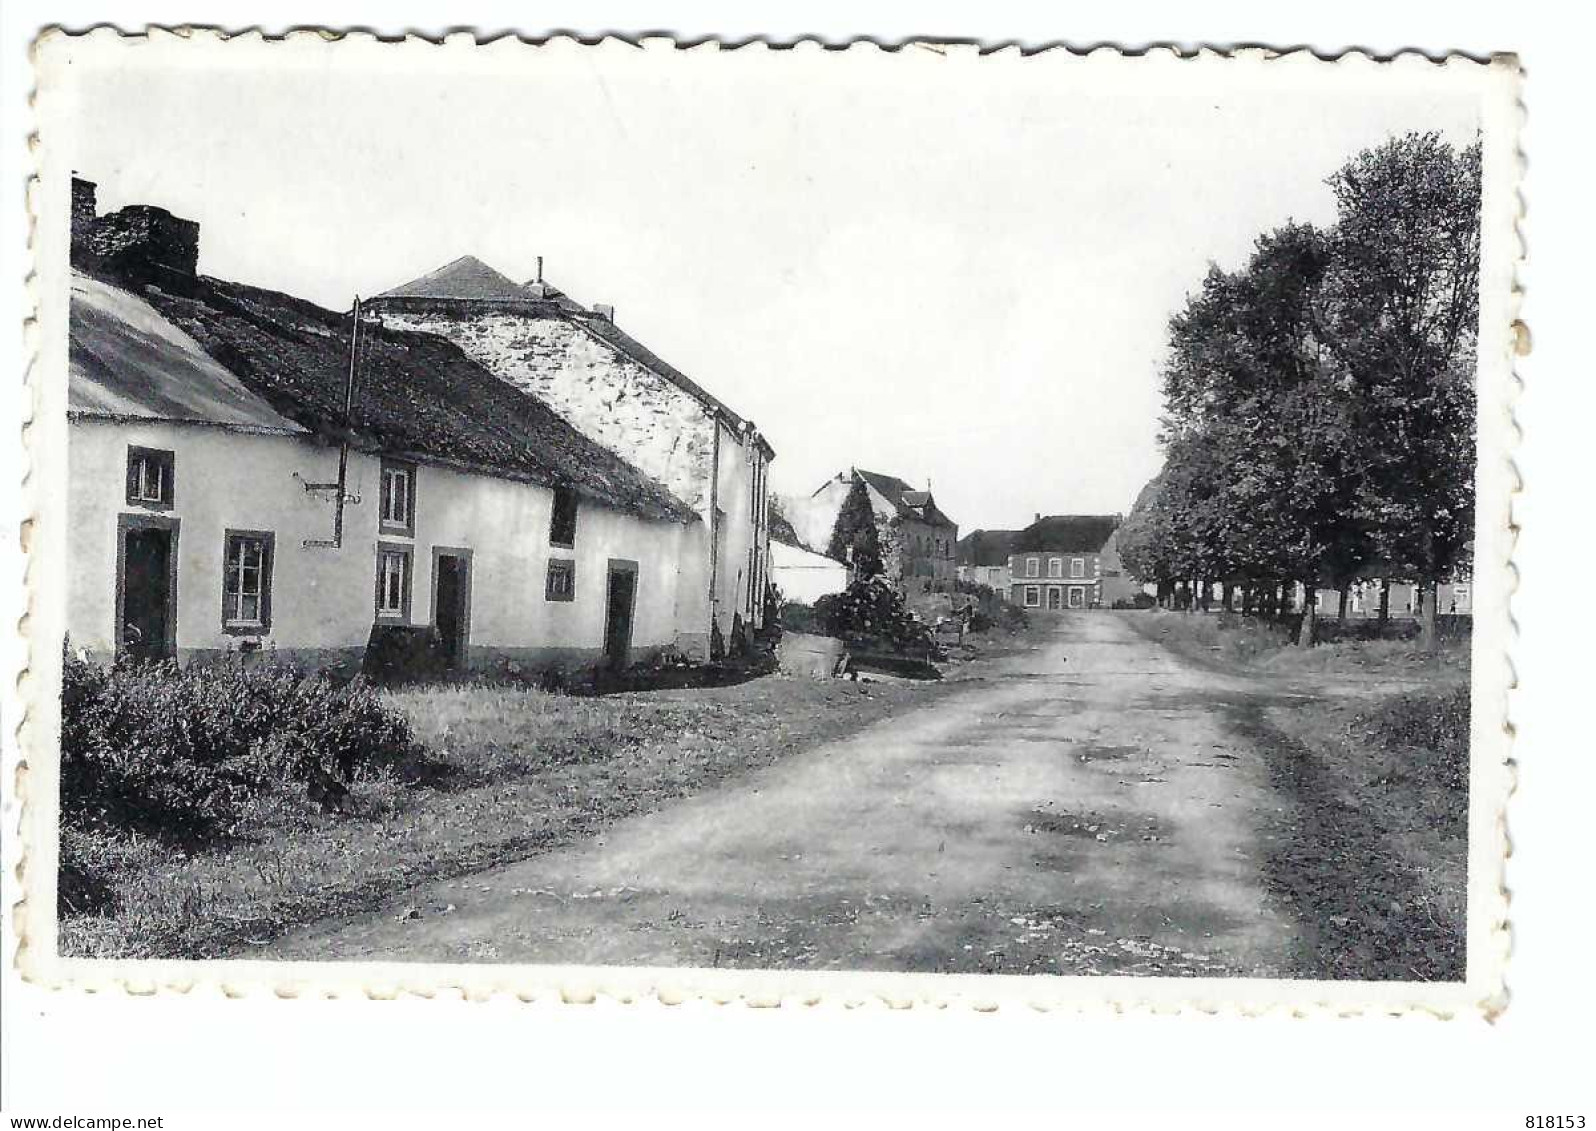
x,y
714,525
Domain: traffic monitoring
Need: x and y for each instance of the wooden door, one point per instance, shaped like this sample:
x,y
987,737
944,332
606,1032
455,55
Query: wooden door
x,y
618,611
451,605
146,586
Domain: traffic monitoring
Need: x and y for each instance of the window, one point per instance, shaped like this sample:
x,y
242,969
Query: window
x,y
562,527
1055,567
1077,567
1032,566
247,582
561,583
1033,595
149,478
398,515
393,582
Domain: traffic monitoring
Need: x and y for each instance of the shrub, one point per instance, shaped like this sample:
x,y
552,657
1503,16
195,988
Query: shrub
x,y
871,610
179,752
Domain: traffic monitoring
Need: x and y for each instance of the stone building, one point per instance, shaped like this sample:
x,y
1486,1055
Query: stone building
x,y
623,396
250,473
1069,561
880,517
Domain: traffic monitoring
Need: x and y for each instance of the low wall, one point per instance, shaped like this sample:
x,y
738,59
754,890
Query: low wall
x,y
818,657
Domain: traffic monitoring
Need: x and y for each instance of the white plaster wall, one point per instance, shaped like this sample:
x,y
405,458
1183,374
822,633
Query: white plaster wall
x,y
223,480
506,527
803,576
323,598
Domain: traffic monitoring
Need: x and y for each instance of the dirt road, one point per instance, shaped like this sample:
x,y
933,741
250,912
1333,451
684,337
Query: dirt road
x,y
1083,808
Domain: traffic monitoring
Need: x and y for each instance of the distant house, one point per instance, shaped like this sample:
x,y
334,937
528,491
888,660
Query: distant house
x,y
797,569
982,558
242,480
618,393
1071,561
1363,599
902,527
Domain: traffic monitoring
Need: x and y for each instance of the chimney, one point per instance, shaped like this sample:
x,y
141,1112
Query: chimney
x,y
604,310
540,269
145,245
84,210
1038,516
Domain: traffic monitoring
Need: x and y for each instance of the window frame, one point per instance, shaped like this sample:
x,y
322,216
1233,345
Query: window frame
x,y
384,523
1077,569
1033,566
262,625
164,458
555,566
1033,596
407,551
568,495
1055,567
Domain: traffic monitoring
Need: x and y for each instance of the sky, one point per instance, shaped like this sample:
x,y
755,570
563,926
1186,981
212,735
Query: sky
x,y
955,271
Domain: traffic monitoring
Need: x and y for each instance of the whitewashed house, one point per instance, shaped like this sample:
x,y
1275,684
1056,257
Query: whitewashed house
x,y
242,480
803,575
621,395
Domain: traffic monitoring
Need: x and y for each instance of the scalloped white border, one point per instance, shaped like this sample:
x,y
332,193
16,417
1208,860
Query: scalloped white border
x,y
1497,84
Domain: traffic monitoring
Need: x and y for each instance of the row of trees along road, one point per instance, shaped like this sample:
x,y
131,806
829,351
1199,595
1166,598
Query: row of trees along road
x,y
1319,402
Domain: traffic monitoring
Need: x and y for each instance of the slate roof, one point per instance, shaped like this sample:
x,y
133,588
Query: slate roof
x,y
905,500
1068,533
416,395
465,278
127,362
986,547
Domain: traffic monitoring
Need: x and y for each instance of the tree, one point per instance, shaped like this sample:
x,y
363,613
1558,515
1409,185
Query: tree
x,y
854,538
1400,309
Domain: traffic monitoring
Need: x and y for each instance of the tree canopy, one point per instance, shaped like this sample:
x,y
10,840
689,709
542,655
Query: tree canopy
x,y
1319,401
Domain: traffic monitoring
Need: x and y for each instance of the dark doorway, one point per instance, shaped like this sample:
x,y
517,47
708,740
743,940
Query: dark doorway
x,y
451,603
618,613
146,587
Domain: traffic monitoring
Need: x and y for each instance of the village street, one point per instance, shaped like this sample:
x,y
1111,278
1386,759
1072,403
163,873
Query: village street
x,y
1082,808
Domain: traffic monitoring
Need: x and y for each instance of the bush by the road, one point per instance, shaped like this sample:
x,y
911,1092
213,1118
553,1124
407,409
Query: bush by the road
x,y
178,753
872,610
1431,729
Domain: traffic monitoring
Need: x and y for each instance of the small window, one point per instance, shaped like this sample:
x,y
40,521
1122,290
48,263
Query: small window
x,y
1033,596
1077,567
1032,567
561,583
393,582
562,527
247,582
150,478
398,514
1055,567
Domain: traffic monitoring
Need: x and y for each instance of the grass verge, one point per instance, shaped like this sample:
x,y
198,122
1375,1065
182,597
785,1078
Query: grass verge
x,y
502,773
1371,848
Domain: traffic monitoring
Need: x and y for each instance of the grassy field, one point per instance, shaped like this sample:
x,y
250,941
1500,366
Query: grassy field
x,y
1367,747
501,773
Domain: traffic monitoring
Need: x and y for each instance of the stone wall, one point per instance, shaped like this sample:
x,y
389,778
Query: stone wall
x,y
649,421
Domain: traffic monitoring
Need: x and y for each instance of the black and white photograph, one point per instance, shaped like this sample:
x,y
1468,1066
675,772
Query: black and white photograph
x,y
587,513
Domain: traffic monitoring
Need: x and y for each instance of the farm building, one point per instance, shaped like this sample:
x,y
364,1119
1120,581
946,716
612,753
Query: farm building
x,y
866,513
982,558
250,472
621,395
1069,561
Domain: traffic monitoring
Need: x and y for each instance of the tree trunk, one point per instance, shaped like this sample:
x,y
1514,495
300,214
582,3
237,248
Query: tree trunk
x,y
1310,617
1204,593
1385,604
1165,589
1346,595
1230,593
1427,615
1248,596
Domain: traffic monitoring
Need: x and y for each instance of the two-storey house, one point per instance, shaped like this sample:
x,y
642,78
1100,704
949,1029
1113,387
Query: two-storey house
x,y
1063,562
